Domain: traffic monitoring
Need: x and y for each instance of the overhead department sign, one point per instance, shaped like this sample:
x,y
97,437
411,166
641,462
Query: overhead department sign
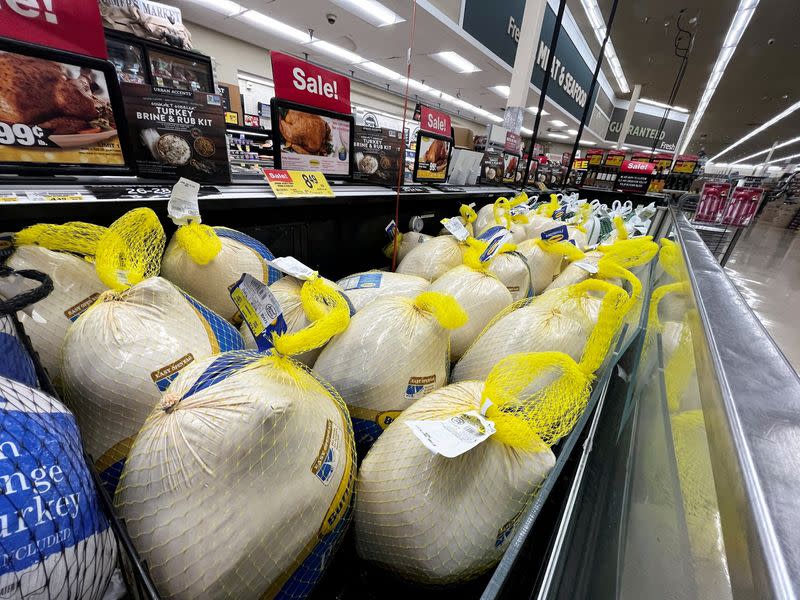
x,y
497,25
643,130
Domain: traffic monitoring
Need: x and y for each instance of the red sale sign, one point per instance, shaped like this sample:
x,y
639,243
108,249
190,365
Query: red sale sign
x,y
73,25
434,121
299,81
634,166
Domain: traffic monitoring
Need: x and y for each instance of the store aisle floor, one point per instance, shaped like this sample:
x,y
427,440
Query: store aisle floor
x,y
765,266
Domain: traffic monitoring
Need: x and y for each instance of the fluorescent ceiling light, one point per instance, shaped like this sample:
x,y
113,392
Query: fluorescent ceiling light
x,y
494,118
572,131
370,11
255,79
223,7
624,148
535,109
527,131
662,105
781,159
501,90
558,136
335,51
741,19
380,71
766,150
454,61
558,123
783,114
586,143
273,26
599,27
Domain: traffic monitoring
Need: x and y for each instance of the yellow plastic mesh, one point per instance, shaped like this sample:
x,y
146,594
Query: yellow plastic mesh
x,y
613,309
501,210
468,214
131,249
669,258
76,237
443,307
200,242
388,249
564,248
630,252
472,253
547,209
329,313
653,321
619,225
679,369
526,415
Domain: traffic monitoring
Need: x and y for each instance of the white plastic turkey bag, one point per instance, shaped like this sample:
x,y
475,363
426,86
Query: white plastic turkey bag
x,y
561,320
250,424
406,242
511,267
393,353
432,259
56,540
499,214
58,251
544,258
480,293
205,261
467,217
439,494
364,288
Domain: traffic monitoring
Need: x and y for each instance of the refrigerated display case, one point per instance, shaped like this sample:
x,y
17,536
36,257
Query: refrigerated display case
x,y
142,61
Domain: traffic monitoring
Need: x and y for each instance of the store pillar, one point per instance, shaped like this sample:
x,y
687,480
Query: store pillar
x,y
524,61
637,89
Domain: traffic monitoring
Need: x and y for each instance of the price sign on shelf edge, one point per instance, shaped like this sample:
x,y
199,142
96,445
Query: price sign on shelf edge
x,y
298,184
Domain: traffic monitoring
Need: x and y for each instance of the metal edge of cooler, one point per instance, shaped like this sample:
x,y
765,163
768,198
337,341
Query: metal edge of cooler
x,y
751,404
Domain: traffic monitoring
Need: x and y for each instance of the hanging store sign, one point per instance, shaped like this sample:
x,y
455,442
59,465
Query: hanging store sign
x,y
513,142
497,25
300,81
614,158
686,163
643,130
74,26
595,157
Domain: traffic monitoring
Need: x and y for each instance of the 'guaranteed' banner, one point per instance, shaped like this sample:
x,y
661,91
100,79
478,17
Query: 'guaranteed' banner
x,y
72,25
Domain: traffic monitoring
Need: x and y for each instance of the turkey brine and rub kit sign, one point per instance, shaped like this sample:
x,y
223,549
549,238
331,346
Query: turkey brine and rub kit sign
x,y
311,115
56,110
177,133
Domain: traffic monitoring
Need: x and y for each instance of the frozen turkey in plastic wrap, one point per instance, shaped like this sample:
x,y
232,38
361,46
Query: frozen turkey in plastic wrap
x,y
123,352
433,259
395,351
363,288
206,261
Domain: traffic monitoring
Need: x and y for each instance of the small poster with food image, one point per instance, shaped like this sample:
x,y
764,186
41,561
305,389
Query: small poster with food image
x,y
492,167
432,158
56,114
377,154
312,139
510,162
177,133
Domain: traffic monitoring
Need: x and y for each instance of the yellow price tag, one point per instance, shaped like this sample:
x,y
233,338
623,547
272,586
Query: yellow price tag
x,y
8,198
297,184
232,118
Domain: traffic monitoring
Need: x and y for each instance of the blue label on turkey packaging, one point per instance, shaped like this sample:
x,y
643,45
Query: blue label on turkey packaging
x,y
47,497
368,280
556,234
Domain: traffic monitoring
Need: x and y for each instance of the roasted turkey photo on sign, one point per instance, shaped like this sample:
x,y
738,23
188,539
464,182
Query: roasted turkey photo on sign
x,y
305,133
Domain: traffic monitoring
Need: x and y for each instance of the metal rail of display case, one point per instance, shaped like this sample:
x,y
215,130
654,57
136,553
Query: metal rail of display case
x,y
750,397
751,400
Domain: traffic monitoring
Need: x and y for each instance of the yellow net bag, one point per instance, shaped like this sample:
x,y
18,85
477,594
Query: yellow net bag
x,y
76,237
131,249
248,422
563,320
440,493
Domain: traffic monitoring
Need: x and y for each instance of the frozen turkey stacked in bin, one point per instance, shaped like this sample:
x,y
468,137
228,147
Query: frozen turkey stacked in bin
x,y
236,470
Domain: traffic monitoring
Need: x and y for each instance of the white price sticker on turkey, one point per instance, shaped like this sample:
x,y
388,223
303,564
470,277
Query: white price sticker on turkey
x,y
456,227
292,266
455,435
183,207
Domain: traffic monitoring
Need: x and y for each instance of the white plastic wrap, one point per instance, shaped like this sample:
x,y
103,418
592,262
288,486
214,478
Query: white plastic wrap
x,y
363,288
432,259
